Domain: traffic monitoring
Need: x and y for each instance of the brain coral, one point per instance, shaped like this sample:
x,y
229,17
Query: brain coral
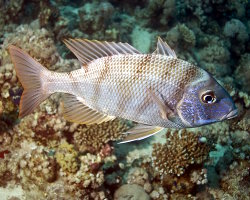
x,y
178,153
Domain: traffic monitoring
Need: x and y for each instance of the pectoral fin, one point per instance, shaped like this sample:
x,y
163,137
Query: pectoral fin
x,y
140,132
164,109
76,111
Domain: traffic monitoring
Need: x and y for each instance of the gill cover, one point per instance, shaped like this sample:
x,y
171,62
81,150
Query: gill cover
x,y
205,101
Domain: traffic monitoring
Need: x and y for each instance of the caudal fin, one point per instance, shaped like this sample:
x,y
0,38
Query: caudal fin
x,y
32,76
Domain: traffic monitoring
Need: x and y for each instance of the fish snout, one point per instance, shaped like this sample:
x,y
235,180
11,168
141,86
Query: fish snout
x,y
231,114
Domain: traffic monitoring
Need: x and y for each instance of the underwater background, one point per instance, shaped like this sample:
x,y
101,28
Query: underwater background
x,y
45,157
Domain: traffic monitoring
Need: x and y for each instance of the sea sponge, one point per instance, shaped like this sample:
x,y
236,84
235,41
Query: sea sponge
x,y
181,150
141,39
92,138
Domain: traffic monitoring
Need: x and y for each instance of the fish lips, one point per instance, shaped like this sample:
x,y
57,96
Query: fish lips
x,y
231,114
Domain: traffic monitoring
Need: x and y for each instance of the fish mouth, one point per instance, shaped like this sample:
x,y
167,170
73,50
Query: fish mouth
x,y
231,114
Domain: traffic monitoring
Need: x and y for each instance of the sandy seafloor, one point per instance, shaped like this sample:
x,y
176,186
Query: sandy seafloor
x,y
42,156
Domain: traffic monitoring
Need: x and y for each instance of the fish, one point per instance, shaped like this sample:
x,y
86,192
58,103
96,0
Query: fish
x,y
156,90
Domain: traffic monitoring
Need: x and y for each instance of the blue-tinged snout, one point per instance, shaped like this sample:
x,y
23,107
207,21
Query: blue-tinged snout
x,y
205,102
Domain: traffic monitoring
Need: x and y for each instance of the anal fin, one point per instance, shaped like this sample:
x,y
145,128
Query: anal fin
x,y
76,111
140,132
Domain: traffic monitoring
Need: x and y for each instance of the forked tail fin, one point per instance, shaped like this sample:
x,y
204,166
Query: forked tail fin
x,y
32,76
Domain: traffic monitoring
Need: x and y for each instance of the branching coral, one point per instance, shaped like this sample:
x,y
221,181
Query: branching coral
x,y
181,150
181,36
93,138
214,56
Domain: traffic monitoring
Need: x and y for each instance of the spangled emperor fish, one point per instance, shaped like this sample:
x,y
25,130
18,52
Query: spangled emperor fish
x,y
156,90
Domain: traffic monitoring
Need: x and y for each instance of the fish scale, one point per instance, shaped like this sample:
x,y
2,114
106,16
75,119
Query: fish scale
x,y
126,97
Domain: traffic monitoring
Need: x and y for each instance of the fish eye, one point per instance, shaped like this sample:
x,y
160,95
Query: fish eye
x,y
208,97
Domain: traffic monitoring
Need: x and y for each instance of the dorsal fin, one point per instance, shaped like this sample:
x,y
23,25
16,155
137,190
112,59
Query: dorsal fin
x,y
164,49
88,50
74,110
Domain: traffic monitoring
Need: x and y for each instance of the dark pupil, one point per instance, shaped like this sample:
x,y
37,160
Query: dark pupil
x,y
208,98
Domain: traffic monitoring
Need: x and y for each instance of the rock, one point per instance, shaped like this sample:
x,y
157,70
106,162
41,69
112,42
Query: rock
x,y
131,192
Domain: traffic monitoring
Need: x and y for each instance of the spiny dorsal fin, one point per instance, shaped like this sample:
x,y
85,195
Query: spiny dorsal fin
x,y
141,131
164,49
76,111
88,50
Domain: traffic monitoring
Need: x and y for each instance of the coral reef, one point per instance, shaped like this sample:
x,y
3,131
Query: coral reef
x,y
140,177
35,41
9,11
181,150
37,166
66,157
181,37
94,16
242,72
45,157
234,183
236,29
132,191
93,138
